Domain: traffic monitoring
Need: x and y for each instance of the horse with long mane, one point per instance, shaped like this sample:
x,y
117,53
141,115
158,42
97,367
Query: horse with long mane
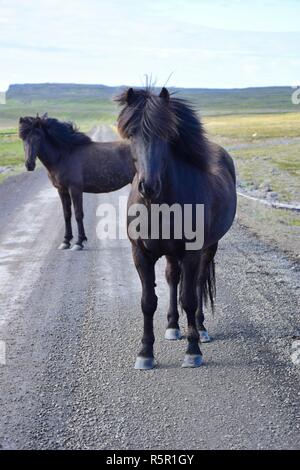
x,y
176,164
75,165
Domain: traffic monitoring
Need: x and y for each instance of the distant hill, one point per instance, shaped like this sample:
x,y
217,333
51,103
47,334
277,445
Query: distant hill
x,y
264,99
58,91
209,101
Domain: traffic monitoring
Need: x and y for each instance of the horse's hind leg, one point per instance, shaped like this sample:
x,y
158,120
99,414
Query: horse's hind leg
x,y
145,267
66,204
204,278
188,299
173,276
76,196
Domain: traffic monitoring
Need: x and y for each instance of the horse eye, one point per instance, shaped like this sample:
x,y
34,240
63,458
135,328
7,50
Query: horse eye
x,y
132,134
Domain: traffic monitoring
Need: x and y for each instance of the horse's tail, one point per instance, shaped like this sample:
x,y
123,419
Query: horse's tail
x,y
209,286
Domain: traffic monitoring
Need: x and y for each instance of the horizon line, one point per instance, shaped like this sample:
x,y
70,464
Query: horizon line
x,y
139,86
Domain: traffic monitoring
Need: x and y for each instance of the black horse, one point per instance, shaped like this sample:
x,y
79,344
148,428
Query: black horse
x,y
75,165
176,164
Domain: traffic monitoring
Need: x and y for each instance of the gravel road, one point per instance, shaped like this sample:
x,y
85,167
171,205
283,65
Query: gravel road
x,y
71,323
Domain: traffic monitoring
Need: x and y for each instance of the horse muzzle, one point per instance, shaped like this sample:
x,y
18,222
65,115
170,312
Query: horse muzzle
x,y
150,191
30,166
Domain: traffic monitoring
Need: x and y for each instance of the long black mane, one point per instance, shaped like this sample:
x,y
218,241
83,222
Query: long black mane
x,y
61,134
174,120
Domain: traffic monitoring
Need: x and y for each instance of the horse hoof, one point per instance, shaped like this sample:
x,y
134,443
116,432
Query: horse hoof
x,y
64,246
192,360
77,248
144,363
173,334
204,337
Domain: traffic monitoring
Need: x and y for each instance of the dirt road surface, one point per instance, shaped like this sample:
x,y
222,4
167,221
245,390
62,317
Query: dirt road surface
x,y
71,324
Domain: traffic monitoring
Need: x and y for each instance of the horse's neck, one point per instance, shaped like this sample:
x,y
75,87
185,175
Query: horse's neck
x,y
48,155
174,168
179,179
129,160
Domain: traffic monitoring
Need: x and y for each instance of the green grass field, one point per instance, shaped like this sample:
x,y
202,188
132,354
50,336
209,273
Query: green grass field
x,y
277,166
11,148
266,152
11,153
85,114
265,147
250,128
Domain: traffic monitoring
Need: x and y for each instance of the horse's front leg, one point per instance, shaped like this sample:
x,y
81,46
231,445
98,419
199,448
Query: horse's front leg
x,y
188,299
66,204
76,196
173,276
145,267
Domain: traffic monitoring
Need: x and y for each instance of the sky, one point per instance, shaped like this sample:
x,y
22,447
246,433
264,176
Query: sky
x,y
202,43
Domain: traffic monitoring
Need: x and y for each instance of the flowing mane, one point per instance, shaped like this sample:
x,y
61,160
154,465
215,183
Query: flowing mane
x,y
60,133
174,121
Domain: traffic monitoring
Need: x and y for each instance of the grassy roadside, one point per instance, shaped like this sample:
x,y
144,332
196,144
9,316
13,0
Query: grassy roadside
x,y
275,168
11,148
276,227
11,154
253,127
266,151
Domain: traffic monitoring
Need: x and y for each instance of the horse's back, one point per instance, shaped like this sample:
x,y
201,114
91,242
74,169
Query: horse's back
x,y
222,200
106,167
223,160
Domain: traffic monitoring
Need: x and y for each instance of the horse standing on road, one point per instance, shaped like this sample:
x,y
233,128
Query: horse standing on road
x,y
176,164
75,165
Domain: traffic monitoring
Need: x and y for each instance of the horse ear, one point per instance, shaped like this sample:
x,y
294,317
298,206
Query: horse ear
x,y
130,96
38,121
21,120
165,95
45,116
